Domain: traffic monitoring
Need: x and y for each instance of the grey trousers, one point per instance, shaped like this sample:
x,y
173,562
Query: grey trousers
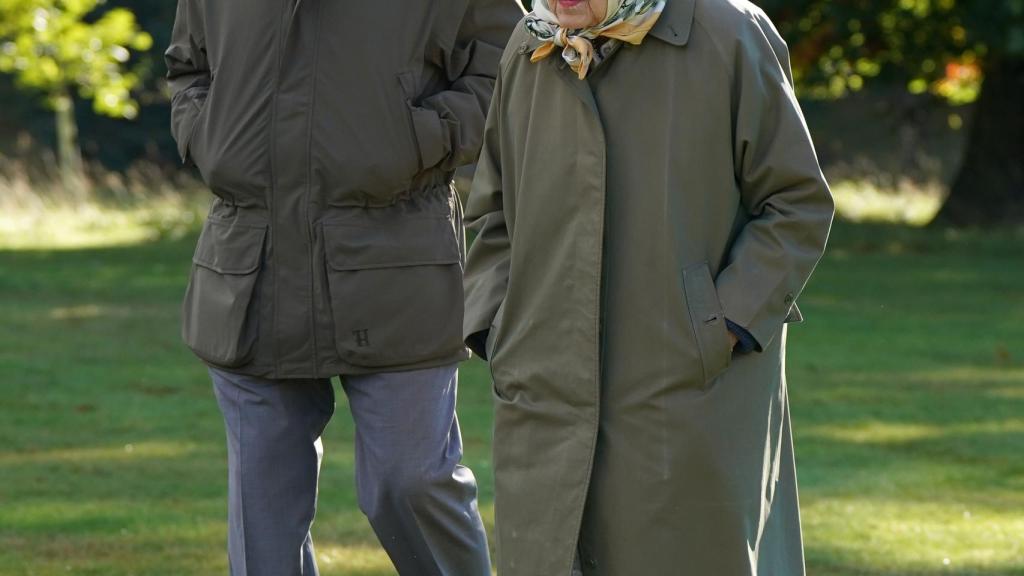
x,y
419,500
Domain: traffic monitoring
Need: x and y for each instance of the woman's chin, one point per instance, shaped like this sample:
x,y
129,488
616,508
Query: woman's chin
x,y
575,22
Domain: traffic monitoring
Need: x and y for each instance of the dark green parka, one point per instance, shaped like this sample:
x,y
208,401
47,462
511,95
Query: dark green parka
x,y
329,132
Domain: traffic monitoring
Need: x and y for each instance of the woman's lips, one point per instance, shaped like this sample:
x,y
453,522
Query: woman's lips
x,y
569,3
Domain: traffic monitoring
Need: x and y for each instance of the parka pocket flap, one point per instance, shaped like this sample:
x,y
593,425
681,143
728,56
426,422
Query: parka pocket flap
x,y
395,244
230,248
396,289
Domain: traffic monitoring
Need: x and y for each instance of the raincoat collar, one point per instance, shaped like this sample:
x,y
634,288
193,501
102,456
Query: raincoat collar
x,y
676,22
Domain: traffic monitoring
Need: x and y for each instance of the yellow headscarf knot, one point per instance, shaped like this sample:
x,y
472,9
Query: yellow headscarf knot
x,y
578,49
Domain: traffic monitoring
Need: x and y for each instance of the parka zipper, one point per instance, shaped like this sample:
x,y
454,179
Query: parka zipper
x,y
309,188
269,200
282,44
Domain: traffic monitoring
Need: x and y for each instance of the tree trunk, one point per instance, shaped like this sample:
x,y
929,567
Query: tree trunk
x,y
989,189
69,156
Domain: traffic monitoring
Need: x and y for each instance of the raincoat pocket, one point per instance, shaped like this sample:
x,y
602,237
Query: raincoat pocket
x,y
492,333
395,290
218,322
708,321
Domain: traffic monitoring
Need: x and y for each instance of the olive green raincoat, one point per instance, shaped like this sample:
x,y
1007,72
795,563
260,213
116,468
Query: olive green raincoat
x,y
621,220
329,132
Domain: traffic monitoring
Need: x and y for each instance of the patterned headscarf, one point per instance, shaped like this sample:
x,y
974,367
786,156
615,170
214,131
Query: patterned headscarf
x,y
626,20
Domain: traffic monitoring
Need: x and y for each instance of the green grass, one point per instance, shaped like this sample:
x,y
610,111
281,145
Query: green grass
x,y
907,384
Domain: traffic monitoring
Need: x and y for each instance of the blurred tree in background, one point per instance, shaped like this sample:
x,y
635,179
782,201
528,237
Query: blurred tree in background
x,y
941,51
53,48
963,51
960,50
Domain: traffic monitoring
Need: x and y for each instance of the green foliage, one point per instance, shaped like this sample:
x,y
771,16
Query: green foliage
x,y
58,47
937,46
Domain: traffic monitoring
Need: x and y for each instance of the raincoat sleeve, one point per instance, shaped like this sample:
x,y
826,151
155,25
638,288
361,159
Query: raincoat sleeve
x,y
188,71
783,191
448,124
487,266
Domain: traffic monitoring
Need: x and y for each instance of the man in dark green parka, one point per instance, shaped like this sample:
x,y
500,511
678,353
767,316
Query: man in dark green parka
x,y
329,133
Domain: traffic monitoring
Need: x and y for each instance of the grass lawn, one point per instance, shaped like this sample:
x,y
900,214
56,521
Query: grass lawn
x,y
907,384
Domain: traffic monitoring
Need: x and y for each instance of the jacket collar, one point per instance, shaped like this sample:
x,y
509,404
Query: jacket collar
x,y
676,22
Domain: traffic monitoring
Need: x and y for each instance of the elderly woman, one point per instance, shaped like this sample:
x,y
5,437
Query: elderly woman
x,y
648,208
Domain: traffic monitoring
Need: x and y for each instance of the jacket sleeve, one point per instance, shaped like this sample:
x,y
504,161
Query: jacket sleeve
x,y
188,71
783,191
487,265
448,124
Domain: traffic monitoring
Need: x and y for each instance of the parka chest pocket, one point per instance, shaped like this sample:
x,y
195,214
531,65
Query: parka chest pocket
x,y
708,321
218,321
396,290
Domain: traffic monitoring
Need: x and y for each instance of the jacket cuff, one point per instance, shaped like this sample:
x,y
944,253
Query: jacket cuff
x,y
430,140
186,107
477,342
746,343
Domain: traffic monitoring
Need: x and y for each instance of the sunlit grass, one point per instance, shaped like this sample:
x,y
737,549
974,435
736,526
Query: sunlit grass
x,y
872,432
366,559
112,209
124,453
861,201
931,534
96,225
145,205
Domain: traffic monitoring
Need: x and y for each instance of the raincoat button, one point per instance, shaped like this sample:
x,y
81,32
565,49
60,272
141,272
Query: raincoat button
x,y
524,48
789,298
